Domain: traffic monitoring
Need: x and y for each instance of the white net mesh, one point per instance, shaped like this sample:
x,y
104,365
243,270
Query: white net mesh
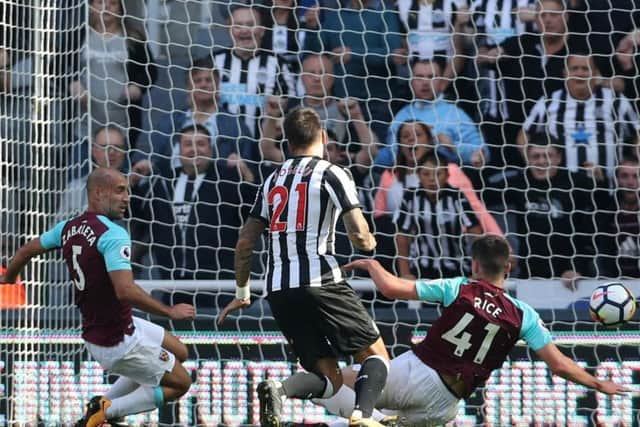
x,y
532,106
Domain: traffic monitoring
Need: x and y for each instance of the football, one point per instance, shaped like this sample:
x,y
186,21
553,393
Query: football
x,y
612,304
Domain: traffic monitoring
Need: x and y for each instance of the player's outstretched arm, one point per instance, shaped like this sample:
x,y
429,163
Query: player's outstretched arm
x,y
566,368
25,253
391,286
358,230
249,235
128,291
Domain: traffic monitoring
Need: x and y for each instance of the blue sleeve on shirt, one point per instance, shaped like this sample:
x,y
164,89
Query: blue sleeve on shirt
x,y
444,291
465,134
533,331
115,247
52,238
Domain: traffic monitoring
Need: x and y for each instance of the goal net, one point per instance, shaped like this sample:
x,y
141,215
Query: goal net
x,y
526,110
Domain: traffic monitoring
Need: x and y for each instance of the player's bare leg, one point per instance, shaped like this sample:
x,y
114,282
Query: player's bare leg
x,y
125,386
342,403
144,398
175,346
321,383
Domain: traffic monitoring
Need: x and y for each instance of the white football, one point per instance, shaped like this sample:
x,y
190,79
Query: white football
x,y
612,304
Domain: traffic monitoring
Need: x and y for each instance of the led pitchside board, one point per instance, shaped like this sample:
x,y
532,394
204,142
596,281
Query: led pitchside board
x,y
53,389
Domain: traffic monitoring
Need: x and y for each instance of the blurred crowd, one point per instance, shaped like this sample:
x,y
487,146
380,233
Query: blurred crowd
x,y
455,118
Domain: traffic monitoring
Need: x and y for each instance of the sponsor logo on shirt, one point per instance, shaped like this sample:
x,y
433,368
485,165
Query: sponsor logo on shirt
x,y
164,356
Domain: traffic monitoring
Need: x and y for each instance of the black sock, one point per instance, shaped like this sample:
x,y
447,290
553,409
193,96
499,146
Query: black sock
x,y
369,384
304,385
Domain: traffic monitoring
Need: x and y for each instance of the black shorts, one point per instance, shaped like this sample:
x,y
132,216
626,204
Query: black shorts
x,y
322,322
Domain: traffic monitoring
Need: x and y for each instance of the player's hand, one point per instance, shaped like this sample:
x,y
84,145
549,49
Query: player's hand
x,y
233,306
408,276
360,264
609,387
182,311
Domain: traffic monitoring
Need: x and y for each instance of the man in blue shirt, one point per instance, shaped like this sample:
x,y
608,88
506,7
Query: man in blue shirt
x,y
458,136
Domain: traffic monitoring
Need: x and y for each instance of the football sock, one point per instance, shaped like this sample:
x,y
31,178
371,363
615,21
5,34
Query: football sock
x,y
122,386
369,384
343,402
142,399
305,385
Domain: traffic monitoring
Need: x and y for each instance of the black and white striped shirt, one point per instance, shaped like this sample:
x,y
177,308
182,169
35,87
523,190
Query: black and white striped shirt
x,y
495,21
429,25
245,83
592,130
300,202
438,226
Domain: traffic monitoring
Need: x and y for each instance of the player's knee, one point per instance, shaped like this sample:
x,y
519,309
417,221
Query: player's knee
x,y
183,386
182,353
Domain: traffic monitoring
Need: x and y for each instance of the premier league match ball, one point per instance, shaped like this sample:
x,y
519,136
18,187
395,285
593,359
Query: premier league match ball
x,y
612,304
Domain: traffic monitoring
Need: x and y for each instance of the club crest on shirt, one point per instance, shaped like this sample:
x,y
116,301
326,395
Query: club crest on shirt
x,y
164,356
125,252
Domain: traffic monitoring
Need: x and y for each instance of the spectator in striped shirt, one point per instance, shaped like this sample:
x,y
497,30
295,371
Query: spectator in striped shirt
x,y
591,122
434,31
530,65
493,22
248,74
433,222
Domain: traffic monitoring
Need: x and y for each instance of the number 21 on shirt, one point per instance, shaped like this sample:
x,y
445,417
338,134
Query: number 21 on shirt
x,y
278,197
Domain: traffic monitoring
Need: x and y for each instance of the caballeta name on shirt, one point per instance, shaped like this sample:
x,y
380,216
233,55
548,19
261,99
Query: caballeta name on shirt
x,y
84,230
